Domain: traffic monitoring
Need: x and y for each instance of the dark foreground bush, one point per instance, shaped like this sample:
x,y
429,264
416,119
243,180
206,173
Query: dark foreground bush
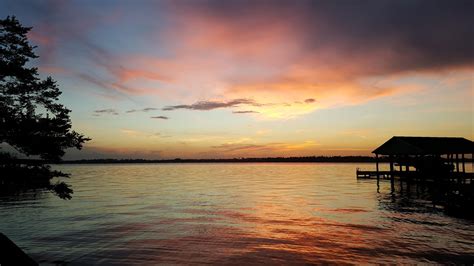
x,y
22,175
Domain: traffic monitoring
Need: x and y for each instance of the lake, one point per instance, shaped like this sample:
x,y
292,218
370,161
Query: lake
x,y
272,213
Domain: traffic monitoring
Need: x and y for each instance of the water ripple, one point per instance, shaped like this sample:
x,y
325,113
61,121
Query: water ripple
x,y
231,214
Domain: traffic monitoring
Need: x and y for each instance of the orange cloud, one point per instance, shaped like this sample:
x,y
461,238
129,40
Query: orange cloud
x,y
39,38
268,54
131,74
269,63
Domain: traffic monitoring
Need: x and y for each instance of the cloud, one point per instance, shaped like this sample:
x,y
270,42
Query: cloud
x,y
131,132
148,109
125,74
40,39
63,33
105,111
106,87
332,51
210,105
276,147
270,109
282,51
245,112
236,147
139,134
159,117
413,35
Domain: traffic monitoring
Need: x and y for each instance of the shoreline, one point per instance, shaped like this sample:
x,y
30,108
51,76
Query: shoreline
x,y
319,159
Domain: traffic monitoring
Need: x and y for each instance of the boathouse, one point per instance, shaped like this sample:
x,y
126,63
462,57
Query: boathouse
x,y
433,164
427,157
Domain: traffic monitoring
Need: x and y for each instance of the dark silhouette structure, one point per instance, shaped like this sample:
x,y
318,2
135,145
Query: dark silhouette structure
x,y
434,157
437,162
12,255
31,119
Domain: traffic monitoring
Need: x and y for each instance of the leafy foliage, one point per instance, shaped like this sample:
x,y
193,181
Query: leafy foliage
x,y
31,119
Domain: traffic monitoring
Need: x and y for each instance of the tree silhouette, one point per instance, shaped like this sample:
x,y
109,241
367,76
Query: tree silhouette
x,y
31,119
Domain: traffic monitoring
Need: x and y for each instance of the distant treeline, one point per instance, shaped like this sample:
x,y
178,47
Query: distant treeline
x,y
309,159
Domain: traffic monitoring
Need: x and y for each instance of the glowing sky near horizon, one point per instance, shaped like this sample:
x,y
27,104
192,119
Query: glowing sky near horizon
x,y
220,79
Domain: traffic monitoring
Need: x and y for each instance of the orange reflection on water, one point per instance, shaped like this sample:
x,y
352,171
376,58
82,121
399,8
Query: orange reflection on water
x,y
233,214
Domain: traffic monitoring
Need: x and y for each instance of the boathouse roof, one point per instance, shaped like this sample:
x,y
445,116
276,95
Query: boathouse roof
x,y
425,146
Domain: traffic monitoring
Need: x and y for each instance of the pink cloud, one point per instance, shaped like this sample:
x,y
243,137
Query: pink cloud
x,y
261,57
39,38
269,53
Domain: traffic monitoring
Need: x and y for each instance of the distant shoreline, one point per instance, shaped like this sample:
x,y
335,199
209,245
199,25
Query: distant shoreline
x,y
311,159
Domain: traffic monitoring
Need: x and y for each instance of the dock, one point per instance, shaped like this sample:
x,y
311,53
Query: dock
x,y
461,177
364,174
436,163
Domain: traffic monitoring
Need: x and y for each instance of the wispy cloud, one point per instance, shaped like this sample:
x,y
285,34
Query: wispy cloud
x,y
267,147
328,51
140,134
210,105
275,109
160,117
105,111
148,109
236,147
245,112
131,132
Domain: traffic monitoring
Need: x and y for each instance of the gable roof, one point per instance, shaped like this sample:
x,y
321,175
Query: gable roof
x,y
425,145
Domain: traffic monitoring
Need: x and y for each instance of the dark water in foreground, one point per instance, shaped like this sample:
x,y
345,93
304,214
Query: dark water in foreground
x,y
232,214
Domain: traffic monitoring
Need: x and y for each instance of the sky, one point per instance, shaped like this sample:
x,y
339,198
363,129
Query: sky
x,y
227,79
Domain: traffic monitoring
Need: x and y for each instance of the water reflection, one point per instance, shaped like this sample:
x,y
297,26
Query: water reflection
x,y
233,214
423,198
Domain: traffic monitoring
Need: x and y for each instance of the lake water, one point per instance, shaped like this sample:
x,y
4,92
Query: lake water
x,y
232,214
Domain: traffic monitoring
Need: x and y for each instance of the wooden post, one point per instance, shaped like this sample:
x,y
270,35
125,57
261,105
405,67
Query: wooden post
x,y
452,161
400,163
377,166
457,162
463,161
449,160
391,173
391,165
418,162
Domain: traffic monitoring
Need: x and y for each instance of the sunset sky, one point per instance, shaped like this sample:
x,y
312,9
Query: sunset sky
x,y
223,79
